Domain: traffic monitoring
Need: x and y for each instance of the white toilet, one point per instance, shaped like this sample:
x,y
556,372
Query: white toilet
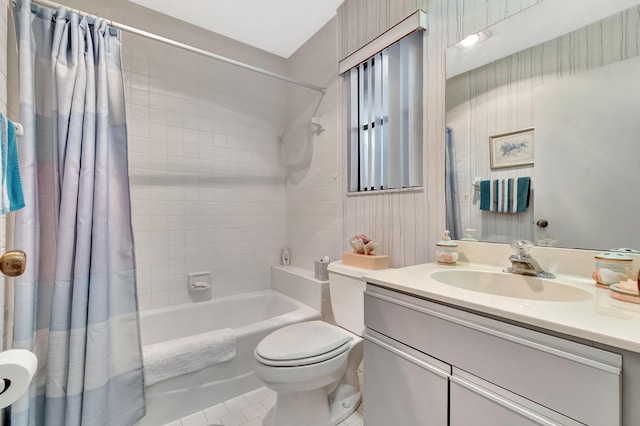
x,y
312,366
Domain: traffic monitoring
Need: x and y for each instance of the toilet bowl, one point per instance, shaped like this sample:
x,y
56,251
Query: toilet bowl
x,y
312,366
311,384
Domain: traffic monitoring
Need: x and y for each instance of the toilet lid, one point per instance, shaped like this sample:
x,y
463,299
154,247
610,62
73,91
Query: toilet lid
x,y
301,362
313,341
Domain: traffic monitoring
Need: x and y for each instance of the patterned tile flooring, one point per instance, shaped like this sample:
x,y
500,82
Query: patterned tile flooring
x,y
246,410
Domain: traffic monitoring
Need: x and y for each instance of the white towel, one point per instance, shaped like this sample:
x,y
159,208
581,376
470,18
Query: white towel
x,y
165,360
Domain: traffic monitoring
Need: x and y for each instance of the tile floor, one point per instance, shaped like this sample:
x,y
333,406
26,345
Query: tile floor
x,y
246,410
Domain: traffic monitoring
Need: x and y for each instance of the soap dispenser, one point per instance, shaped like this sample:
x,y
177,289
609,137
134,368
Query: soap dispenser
x,y
446,250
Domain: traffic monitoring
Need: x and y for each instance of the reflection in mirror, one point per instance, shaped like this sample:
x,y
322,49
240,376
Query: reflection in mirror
x,y
579,92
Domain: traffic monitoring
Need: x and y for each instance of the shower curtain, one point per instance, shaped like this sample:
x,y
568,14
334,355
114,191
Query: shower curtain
x,y
451,183
76,304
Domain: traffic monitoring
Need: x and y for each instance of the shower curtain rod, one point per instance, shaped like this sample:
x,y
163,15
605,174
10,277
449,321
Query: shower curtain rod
x,y
184,46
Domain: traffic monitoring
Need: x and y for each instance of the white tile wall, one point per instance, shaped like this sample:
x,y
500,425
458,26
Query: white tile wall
x,y
312,187
207,187
301,285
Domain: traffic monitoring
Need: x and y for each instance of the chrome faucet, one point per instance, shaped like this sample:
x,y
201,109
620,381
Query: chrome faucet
x,y
522,262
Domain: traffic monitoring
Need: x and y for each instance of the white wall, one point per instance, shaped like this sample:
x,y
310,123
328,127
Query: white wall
x,y
408,224
312,192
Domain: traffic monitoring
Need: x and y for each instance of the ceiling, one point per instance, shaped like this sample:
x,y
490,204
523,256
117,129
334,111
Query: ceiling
x,y
277,26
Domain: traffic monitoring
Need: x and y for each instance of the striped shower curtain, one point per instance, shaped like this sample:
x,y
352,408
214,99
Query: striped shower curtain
x,y
76,304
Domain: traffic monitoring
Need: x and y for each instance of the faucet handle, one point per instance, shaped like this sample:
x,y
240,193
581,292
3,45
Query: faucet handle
x,y
522,247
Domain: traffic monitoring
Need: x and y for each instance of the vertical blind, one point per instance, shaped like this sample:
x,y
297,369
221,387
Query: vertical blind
x,y
385,118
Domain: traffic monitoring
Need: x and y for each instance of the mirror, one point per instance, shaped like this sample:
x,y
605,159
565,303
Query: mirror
x,y
551,93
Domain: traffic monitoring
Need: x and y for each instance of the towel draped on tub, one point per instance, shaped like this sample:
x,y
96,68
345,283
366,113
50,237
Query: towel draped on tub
x,y
173,358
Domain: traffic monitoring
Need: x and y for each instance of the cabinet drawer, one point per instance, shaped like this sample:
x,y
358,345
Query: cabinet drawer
x,y
579,381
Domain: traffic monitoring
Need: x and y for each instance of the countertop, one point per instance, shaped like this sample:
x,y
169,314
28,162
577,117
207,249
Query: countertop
x,y
600,319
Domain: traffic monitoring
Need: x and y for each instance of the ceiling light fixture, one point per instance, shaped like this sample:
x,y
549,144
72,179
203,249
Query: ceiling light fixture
x,y
470,40
473,39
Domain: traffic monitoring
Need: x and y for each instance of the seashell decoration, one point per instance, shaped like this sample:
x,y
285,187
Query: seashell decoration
x,y
607,276
362,244
447,257
611,268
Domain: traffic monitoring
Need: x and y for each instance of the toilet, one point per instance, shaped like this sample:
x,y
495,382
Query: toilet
x,y
312,366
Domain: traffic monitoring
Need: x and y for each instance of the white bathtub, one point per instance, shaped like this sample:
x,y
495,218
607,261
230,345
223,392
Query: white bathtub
x,y
251,315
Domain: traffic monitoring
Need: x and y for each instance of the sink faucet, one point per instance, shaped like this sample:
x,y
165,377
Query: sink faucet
x,y
522,262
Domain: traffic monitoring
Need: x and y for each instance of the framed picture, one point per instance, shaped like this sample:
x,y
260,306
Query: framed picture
x,y
511,149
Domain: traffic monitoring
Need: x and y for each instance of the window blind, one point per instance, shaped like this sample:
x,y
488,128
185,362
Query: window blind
x,y
385,118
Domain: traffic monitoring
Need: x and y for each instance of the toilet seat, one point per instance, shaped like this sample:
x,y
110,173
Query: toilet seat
x,y
303,344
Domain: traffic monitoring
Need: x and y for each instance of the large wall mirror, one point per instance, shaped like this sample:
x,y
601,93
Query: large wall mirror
x,y
551,93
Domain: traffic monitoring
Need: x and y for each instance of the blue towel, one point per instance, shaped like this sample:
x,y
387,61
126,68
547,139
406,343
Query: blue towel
x,y
485,195
523,194
11,196
505,195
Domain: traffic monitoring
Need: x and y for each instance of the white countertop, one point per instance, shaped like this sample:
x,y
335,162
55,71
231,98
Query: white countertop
x,y
600,319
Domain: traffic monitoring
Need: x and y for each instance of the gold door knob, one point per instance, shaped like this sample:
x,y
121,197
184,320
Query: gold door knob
x,y
13,263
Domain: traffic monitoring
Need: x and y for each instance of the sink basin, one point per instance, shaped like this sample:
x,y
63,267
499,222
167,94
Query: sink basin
x,y
512,285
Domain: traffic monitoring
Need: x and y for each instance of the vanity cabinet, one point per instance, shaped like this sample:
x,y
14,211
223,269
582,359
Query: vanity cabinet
x,y
498,373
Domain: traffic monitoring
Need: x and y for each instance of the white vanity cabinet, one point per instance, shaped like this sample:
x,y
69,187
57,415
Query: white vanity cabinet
x,y
496,373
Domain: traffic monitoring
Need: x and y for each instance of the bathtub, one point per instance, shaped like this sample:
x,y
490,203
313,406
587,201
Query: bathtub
x,y
252,316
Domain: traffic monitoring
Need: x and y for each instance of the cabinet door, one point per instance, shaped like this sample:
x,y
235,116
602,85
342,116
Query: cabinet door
x,y
403,386
479,403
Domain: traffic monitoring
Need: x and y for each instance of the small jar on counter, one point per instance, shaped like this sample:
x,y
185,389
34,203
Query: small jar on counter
x,y
446,250
611,267
469,235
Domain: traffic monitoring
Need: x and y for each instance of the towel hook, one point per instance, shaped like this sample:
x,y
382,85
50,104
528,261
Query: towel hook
x,y
19,129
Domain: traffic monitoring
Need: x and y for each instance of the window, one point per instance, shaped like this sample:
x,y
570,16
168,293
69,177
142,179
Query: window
x,y
385,118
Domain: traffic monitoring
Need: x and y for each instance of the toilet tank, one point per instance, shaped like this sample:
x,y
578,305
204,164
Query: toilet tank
x,y
346,288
